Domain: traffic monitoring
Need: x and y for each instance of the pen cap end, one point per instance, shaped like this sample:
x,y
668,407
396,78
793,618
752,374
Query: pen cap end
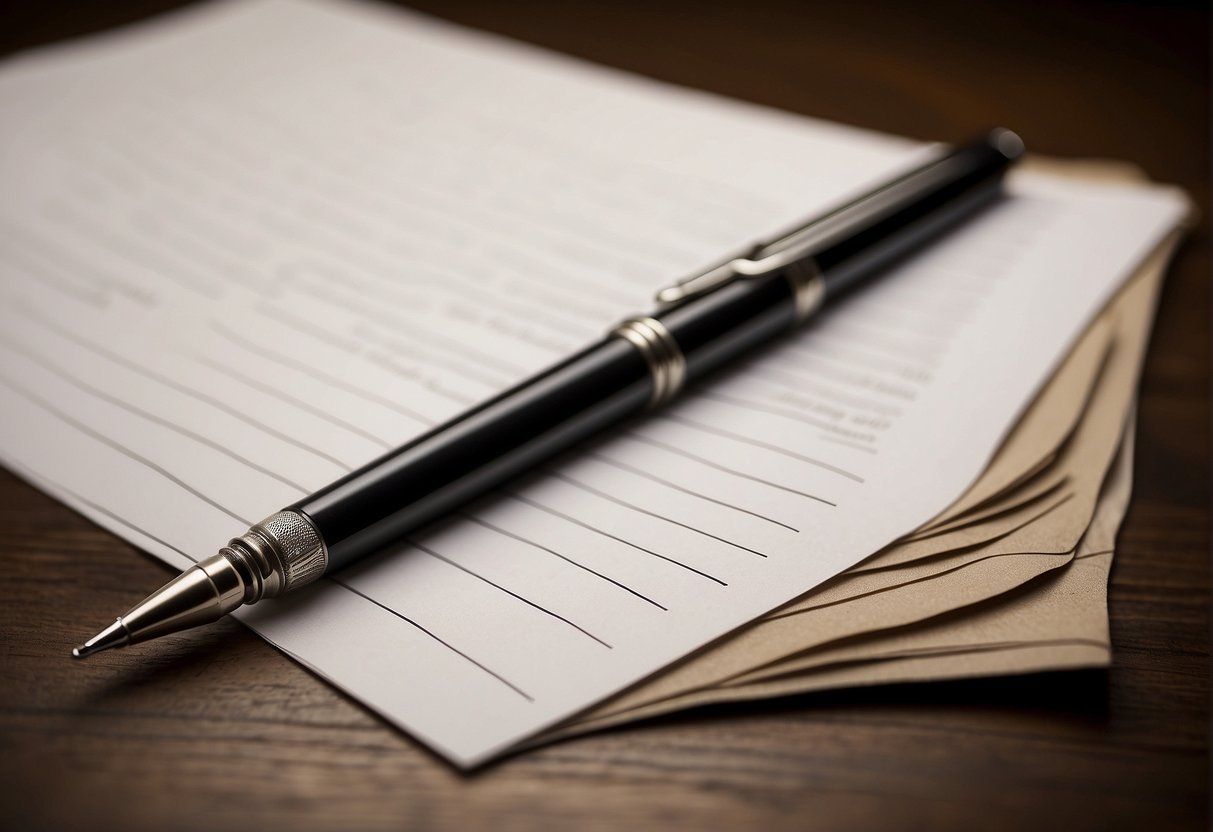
x,y
1006,142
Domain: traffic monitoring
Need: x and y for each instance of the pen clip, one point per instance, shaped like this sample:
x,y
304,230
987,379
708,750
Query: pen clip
x,y
764,259
798,246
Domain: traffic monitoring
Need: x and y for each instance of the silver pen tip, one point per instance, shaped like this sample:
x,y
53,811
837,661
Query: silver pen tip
x,y
115,635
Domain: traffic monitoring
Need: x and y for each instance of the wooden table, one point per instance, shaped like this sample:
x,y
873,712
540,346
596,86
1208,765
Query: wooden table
x,y
219,730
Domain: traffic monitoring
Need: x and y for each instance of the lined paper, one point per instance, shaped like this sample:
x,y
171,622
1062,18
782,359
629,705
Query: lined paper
x,y
249,247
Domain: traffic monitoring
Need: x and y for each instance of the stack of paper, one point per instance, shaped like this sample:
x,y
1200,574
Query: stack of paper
x,y
1012,578
248,248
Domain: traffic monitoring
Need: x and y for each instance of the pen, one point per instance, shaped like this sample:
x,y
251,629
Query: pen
x,y
699,324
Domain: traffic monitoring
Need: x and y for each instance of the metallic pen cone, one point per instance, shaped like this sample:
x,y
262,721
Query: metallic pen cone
x,y
201,594
115,635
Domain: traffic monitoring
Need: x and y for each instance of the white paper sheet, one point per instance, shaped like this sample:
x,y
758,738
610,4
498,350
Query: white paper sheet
x,y
248,248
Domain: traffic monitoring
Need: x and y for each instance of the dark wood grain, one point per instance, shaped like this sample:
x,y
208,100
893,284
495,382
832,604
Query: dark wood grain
x,y
215,729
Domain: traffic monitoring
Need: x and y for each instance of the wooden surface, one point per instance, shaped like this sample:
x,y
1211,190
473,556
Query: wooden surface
x,y
216,729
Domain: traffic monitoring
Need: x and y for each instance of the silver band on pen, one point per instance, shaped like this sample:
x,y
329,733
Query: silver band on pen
x,y
667,364
808,287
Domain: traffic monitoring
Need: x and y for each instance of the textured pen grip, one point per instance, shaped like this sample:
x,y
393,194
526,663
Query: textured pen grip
x,y
304,556
282,552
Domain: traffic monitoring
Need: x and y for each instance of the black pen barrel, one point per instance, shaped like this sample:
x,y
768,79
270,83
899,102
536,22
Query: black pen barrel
x,y
861,237
464,458
616,377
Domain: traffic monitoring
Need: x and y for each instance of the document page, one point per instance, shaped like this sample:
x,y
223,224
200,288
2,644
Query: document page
x,y
249,247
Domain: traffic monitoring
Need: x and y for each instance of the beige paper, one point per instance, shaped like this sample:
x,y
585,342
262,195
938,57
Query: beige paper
x,y
1063,610
1043,428
1037,489
989,530
853,588
925,594
1058,622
